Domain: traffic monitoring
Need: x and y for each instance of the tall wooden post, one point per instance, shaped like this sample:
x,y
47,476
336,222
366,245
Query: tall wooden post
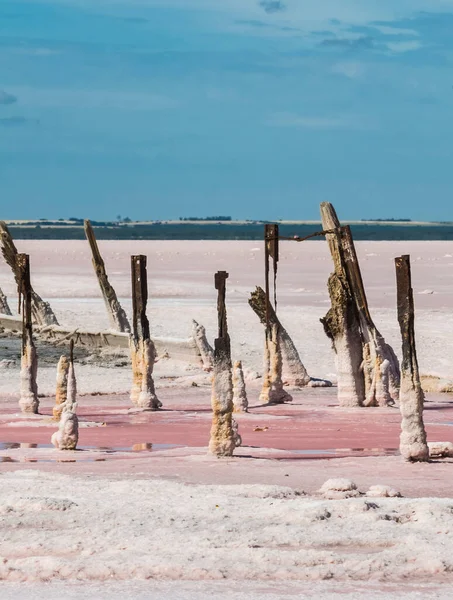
x,y
28,402
116,313
41,311
413,446
223,437
143,352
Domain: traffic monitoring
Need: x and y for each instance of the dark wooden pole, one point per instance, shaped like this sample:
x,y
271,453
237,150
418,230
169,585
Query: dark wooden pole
x,y
140,323
413,446
222,347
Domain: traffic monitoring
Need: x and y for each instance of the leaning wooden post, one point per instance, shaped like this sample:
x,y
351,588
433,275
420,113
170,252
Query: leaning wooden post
x,y
28,402
224,429
293,370
116,313
413,446
342,323
4,307
143,352
41,311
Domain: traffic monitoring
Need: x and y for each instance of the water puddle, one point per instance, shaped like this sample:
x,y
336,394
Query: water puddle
x,y
348,451
78,455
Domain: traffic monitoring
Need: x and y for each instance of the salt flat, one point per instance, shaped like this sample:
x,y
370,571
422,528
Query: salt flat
x,y
113,515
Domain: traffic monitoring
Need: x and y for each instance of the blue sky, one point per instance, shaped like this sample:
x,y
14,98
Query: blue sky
x,y
157,109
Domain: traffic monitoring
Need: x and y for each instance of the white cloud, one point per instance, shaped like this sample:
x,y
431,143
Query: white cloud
x,y
404,46
288,119
352,70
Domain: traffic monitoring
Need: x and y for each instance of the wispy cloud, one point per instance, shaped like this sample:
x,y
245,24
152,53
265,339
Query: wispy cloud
x,y
288,119
16,121
272,6
352,70
360,43
6,98
408,46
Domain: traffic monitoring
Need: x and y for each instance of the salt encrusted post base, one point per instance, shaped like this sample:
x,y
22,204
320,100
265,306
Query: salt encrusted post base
x,y
117,315
62,387
29,402
413,446
240,401
224,430
40,310
272,391
204,347
143,352
67,436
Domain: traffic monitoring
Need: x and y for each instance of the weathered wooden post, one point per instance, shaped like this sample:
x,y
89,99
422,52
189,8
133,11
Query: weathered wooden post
x,y
240,402
67,436
272,391
293,370
28,402
143,352
41,311
368,370
223,435
413,446
4,307
117,315
61,392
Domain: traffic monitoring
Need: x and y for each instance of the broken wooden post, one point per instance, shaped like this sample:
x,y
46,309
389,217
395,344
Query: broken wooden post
x,y
341,323
28,402
41,311
224,434
4,307
116,313
67,436
293,370
240,402
204,347
368,370
143,352
413,446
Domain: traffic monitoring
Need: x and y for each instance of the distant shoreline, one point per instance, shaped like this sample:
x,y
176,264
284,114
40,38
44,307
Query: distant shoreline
x,y
226,230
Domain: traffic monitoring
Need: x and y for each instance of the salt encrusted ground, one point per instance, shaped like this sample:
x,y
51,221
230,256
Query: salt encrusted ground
x,y
108,515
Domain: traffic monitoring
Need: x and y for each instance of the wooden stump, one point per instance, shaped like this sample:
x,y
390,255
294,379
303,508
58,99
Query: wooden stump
x,y
240,401
224,435
116,313
41,312
413,446
28,402
143,353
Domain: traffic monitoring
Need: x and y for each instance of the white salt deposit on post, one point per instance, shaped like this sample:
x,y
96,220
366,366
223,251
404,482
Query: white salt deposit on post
x,y
67,436
338,489
204,347
272,391
224,431
240,401
413,446
61,393
29,402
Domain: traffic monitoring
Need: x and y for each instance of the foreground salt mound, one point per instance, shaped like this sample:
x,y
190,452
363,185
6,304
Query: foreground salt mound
x,y
337,489
382,491
236,532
